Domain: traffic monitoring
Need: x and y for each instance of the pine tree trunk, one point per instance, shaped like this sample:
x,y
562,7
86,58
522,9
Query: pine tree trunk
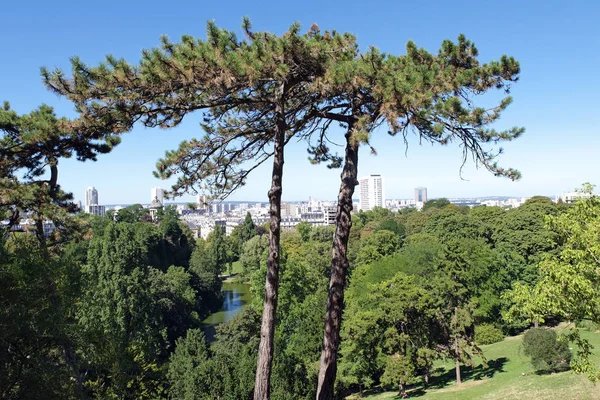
x,y
339,267
262,388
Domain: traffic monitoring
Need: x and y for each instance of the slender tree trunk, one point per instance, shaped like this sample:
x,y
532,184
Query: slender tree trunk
x,y
339,267
262,387
456,352
458,380
457,358
535,323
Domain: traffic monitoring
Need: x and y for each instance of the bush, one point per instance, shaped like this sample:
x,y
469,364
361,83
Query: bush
x,y
487,334
548,354
588,325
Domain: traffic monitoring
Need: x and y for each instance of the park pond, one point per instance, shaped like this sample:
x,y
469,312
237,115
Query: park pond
x,y
235,297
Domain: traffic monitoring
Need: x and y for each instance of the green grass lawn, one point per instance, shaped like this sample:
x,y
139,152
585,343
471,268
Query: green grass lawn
x,y
505,378
236,268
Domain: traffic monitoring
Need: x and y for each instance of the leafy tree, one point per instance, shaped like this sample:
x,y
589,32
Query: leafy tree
x,y
36,337
548,354
392,225
522,234
205,277
487,334
399,371
414,222
190,374
248,229
323,234
253,254
569,284
217,250
437,203
450,224
115,316
133,213
241,234
130,315
381,243
304,228
461,344
224,370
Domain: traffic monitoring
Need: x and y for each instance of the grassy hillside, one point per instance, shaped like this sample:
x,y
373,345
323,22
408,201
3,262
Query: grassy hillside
x,y
509,376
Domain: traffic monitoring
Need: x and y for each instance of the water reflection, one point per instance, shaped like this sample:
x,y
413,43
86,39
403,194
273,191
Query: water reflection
x,y
235,296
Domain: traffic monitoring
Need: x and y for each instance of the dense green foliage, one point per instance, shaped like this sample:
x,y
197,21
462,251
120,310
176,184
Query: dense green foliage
x,y
133,296
111,307
487,334
547,352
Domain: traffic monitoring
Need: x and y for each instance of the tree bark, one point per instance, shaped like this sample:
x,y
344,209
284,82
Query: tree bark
x,y
339,267
262,387
457,353
457,358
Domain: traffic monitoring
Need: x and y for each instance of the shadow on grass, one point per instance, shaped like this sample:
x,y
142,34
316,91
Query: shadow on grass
x,y
563,367
442,378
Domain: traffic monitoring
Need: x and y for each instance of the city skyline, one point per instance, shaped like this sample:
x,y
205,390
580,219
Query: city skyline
x,y
557,153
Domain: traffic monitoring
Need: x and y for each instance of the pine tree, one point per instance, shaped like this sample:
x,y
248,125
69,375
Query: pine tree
x,y
431,95
31,147
256,95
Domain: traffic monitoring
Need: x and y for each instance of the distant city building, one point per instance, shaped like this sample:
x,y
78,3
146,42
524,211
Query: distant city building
x,y
28,225
91,203
96,209
91,196
396,204
329,214
513,202
156,193
572,197
289,210
371,192
420,195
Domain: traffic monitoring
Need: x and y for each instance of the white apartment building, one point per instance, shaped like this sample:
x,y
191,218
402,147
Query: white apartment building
x,y
91,205
371,192
572,197
91,196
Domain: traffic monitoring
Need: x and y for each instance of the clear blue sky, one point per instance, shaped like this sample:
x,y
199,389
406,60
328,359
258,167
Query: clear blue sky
x,y
556,42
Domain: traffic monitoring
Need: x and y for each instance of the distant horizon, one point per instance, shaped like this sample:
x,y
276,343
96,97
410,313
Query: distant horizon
x,y
354,200
554,99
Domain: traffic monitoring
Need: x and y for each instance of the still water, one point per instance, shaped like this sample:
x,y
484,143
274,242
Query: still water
x,y
235,296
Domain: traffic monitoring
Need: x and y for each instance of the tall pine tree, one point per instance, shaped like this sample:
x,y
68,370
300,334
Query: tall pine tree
x,y
257,97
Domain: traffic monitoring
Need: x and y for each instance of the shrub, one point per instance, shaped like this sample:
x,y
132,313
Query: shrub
x,y
548,354
588,325
487,334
